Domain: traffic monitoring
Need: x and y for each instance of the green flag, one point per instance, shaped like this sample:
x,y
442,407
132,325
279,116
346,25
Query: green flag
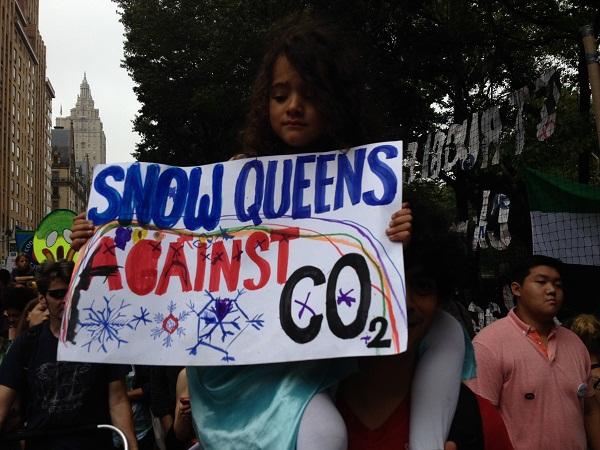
x,y
565,218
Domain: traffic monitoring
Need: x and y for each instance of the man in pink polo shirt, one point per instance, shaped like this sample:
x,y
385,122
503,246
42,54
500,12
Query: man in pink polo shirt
x,y
535,372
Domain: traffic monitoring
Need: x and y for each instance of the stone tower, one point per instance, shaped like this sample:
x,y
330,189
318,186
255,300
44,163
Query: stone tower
x,y
89,138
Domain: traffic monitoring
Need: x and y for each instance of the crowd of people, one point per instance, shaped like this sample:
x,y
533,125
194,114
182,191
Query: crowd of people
x,y
526,382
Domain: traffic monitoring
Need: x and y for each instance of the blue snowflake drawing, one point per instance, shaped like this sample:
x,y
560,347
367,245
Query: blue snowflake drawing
x,y
142,318
220,322
104,325
169,325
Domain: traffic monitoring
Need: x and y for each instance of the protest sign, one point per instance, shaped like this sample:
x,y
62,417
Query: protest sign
x,y
251,261
52,238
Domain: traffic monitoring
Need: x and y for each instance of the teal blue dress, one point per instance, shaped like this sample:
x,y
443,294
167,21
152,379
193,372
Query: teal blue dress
x,y
257,407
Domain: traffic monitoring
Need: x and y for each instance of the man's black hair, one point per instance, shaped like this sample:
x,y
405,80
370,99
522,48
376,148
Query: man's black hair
x,y
524,268
434,251
59,270
17,297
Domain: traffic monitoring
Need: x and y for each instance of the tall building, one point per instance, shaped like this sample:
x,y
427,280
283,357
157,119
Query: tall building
x,y
25,121
69,185
90,142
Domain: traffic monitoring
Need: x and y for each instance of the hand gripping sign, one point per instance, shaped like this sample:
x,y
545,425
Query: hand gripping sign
x,y
250,261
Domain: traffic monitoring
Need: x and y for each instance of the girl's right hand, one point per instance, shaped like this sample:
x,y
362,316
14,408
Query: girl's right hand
x,y
81,231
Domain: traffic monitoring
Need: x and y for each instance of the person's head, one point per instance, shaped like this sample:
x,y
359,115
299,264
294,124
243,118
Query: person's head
x,y
537,287
16,299
433,261
587,327
52,282
22,262
308,93
34,313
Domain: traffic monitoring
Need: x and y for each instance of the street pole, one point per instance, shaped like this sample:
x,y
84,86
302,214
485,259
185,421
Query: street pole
x,y
591,57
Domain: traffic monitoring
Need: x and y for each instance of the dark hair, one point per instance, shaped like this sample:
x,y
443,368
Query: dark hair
x,y
4,277
434,251
322,57
59,270
17,297
524,268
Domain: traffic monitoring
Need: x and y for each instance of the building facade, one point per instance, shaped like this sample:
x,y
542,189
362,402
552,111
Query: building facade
x,y
25,121
90,141
69,187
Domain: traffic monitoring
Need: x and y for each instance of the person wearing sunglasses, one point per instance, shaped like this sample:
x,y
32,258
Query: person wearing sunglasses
x,y
61,397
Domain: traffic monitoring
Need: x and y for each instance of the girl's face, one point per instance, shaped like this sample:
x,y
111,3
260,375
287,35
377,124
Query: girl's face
x,y
37,315
23,262
292,111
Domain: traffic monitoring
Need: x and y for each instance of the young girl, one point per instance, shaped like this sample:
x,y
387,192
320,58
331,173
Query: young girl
x,y
306,98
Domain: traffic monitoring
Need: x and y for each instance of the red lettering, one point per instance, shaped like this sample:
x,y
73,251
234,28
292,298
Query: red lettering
x,y
104,263
201,258
257,240
284,236
175,266
141,266
220,263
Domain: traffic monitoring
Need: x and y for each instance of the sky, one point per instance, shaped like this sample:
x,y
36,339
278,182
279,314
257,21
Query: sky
x,y
86,36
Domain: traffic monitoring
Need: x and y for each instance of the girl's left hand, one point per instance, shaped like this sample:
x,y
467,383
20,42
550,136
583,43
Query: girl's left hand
x,y
400,226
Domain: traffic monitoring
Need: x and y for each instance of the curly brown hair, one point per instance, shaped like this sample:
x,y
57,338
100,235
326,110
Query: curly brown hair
x,y
322,57
587,327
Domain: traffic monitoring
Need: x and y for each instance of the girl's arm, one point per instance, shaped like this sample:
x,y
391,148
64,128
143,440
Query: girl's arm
x,y
436,383
182,425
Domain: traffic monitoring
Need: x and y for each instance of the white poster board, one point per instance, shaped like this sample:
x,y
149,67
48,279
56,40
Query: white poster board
x,y
250,261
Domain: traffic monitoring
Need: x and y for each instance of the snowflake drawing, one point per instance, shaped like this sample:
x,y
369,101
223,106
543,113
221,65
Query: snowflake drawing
x,y
169,325
220,322
104,325
142,318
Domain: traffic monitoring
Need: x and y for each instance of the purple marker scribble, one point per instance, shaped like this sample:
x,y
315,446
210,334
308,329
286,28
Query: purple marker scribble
x,y
366,338
224,234
238,255
122,237
345,298
304,306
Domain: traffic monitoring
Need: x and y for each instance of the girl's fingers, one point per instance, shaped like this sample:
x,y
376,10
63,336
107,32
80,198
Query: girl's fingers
x,y
402,236
81,231
402,213
402,220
